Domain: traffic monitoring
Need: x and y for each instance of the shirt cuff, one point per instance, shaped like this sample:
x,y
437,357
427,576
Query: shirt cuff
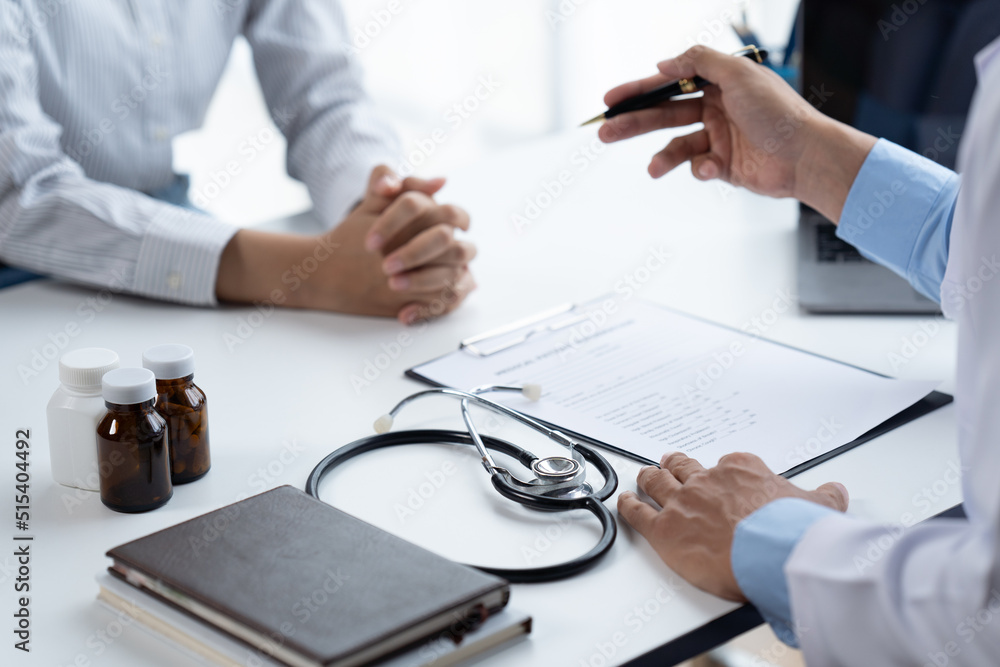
x,y
179,256
345,189
762,544
898,213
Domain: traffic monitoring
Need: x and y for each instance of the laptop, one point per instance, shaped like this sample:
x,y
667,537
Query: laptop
x,y
902,71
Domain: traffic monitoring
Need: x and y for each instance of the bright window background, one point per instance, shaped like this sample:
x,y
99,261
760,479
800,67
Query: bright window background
x,y
550,61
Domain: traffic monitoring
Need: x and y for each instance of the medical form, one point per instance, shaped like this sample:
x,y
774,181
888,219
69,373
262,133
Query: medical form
x,y
648,380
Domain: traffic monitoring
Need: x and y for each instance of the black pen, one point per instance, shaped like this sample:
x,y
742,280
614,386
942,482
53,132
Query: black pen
x,y
673,89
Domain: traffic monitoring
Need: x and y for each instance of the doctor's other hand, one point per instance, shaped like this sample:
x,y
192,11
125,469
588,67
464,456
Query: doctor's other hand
x,y
693,532
757,132
394,255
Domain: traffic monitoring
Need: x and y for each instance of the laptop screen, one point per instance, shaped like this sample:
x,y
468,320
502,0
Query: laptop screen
x,y
899,69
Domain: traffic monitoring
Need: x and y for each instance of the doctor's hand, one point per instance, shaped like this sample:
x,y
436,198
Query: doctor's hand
x,y
757,132
395,255
693,532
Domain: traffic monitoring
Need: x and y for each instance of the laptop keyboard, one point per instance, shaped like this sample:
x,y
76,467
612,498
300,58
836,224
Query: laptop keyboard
x,y
829,248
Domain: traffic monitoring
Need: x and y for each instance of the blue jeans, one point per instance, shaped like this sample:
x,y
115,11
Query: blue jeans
x,y
175,193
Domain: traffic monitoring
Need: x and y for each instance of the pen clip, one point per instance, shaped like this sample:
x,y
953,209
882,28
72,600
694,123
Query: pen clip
x,y
747,50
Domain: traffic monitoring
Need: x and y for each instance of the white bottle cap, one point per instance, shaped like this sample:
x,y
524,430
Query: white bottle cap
x,y
169,362
128,386
84,368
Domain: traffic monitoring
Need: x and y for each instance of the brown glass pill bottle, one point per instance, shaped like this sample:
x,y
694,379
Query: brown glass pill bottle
x,y
183,405
132,455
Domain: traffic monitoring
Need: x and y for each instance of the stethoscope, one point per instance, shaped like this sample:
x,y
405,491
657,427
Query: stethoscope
x,y
559,482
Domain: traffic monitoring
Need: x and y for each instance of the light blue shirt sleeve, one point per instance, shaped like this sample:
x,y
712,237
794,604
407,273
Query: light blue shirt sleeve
x,y
899,212
761,545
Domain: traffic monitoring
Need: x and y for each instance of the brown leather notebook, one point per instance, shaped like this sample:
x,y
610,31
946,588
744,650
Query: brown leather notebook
x,y
305,583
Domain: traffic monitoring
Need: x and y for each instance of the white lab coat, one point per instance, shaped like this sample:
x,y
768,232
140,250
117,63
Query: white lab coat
x,y
933,598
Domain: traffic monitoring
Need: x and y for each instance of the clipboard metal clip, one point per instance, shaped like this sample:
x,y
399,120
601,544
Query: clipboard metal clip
x,y
518,332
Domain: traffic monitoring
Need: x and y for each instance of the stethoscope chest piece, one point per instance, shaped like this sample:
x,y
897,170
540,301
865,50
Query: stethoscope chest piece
x,y
557,477
559,482
557,469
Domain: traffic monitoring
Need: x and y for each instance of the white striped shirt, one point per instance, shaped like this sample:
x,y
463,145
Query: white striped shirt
x,y
93,91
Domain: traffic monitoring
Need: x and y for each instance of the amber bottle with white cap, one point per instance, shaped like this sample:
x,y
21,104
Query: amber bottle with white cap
x,y
132,447
73,413
183,404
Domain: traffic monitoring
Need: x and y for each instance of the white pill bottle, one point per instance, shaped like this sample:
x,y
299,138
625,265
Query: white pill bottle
x,y
73,413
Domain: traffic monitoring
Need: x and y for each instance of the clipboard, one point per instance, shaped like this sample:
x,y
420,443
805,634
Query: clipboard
x,y
553,321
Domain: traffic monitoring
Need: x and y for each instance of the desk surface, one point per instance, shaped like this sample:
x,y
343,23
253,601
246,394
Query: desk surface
x,y
284,390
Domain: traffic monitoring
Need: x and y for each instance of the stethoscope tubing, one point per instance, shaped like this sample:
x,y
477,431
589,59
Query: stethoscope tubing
x,y
591,502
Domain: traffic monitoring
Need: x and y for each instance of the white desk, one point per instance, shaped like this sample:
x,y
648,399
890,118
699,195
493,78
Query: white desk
x,y
283,397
